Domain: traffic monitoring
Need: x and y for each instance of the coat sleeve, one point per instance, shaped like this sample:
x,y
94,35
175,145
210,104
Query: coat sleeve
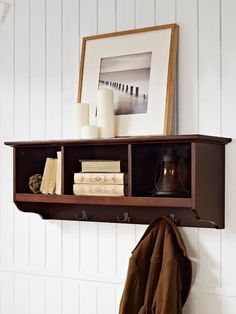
x,y
133,293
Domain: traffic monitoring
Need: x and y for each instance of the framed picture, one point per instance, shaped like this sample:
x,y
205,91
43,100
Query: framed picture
x,y
139,66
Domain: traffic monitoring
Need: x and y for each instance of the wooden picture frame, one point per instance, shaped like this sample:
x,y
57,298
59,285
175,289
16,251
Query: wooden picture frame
x,y
140,66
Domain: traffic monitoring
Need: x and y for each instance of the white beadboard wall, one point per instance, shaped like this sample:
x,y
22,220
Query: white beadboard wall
x,y
60,267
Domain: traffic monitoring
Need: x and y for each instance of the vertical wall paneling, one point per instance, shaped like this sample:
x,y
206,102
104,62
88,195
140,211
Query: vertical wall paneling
x,y
106,300
36,295
187,18
70,297
106,16
191,241
145,13
119,290
125,14
228,67
88,298
209,258
37,242
53,69
125,245
7,283
209,67
53,246
229,234
7,102
89,247
21,294
37,69
165,11
209,305
22,112
88,12
107,249
70,62
53,302
229,129
70,246
228,305
22,115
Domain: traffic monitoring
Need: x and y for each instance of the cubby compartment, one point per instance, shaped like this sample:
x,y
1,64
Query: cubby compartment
x,y
147,162
201,168
30,161
74,154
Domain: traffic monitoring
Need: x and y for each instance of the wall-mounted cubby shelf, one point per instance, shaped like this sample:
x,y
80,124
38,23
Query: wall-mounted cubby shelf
x,y
204,157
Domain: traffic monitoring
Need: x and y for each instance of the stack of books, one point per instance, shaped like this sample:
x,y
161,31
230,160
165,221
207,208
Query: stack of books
x,y
51,180
99,178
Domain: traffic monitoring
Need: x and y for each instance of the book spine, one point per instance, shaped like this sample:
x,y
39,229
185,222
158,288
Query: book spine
x,y
58,174
99,178
98,166
98,190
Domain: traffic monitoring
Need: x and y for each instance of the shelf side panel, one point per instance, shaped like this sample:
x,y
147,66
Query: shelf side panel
x,y
209,175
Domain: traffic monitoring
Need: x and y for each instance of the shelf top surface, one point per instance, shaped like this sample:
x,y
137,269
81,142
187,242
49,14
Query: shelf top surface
x,y
124,140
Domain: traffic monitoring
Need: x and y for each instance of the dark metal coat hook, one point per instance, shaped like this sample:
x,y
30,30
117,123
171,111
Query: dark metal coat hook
x,y
174,219
125,217
83,216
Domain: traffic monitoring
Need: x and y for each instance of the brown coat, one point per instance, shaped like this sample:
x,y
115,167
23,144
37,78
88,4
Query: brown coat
x,y
159,272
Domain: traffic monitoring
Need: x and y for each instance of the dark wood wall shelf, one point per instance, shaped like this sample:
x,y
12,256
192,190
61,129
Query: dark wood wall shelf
x,y
204,206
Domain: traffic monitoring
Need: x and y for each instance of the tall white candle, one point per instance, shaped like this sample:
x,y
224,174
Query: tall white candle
x,y
105,113
80,117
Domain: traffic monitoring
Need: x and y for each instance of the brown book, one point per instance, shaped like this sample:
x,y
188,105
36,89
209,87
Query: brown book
x,y
99,178
99,189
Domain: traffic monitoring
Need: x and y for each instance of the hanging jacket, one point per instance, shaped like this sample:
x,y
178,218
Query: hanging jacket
x,y
159,273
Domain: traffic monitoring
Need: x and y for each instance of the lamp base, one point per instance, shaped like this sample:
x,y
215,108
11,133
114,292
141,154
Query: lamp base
x,y
169,194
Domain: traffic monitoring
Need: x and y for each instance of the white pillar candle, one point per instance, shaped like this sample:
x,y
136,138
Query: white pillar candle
x,y
105,113
80,117
89,131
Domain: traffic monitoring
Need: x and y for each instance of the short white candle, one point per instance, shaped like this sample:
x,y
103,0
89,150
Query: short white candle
x,y
89,131
105,113
80,117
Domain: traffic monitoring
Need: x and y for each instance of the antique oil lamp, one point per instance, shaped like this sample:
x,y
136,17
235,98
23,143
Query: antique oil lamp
x,y
168,181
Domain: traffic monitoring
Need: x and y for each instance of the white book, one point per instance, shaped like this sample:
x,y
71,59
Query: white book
x,y
98,178
52,183
100,165
46,179
99,190
58,174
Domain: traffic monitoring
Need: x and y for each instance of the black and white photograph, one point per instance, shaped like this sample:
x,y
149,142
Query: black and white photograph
x,y
138,67
128,76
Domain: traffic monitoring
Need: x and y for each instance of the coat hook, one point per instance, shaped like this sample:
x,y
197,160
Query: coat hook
x,y
125,217
174,219
83,216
